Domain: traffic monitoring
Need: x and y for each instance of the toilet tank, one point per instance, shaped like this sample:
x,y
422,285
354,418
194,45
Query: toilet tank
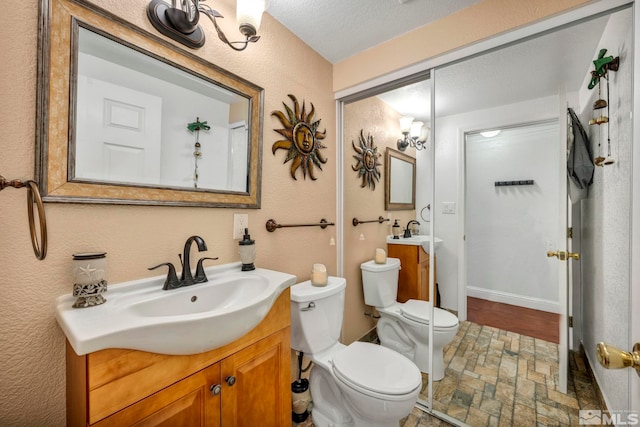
x,y
380,282
316,315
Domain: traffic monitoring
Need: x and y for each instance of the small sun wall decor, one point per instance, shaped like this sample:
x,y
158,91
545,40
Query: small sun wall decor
x,y
302,139
367,157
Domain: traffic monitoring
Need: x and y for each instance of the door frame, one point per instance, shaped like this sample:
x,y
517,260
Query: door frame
x,y
562,204
634,274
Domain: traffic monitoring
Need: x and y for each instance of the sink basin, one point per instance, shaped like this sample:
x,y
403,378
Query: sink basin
x,y
139,315
417,240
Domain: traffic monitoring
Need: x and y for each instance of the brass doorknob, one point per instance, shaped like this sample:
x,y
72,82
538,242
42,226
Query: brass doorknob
x,y
561,255
613,358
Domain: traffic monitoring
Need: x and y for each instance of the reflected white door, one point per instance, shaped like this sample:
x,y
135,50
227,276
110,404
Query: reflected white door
x,y
238,155
118,134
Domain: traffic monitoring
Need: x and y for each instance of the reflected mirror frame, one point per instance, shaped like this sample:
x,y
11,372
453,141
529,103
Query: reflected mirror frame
x,y
58,22
388,205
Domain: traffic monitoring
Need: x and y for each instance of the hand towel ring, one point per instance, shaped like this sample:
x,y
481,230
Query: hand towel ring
x,y
422,213
40,250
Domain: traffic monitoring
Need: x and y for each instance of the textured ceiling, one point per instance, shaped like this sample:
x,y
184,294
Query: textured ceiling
x,y
528,70
338,29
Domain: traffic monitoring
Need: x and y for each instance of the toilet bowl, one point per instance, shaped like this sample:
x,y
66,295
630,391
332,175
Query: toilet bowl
x,y
356,385
404,327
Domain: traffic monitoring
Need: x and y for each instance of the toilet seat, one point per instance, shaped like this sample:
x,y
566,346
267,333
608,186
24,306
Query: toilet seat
x,y
419,311
376,371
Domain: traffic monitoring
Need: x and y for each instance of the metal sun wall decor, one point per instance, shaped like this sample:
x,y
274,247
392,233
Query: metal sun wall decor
x,y
367,157
303,139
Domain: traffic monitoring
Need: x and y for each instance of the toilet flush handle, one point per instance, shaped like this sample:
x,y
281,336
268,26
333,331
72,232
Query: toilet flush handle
x,y
311,306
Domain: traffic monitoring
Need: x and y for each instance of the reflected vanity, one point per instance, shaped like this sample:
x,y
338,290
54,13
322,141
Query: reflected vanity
x,y
114,122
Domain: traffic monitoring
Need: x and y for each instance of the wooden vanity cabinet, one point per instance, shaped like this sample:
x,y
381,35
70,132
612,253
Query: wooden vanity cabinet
x,y
413,281
119,387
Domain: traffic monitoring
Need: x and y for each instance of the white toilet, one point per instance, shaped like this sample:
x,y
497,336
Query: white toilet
x,y
362,384
404,327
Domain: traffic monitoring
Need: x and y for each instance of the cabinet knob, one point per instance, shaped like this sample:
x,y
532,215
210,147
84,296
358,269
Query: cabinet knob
x,y
215,389
231,380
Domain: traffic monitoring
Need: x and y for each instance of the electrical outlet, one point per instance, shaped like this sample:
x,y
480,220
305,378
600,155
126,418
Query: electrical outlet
x,y
240,222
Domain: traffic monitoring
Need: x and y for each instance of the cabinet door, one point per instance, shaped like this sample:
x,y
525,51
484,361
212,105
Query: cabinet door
x,y
256,389
189,402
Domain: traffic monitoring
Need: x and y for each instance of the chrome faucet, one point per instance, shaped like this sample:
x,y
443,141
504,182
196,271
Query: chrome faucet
x,y
186,278
407,231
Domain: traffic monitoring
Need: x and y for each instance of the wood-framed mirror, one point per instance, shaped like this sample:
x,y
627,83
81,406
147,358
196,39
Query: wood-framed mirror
x,y
116,108
399,181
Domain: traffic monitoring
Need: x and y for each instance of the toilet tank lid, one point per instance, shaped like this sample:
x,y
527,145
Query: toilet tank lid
x,y
391,264
305,291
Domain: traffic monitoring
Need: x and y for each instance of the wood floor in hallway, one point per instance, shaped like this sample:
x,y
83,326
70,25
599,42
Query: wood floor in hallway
x,y
525,321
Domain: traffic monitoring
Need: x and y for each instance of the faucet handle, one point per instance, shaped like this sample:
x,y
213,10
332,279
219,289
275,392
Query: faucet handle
x,y
171,281
201,277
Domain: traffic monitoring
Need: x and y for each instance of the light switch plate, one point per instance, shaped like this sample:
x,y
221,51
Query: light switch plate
x,y
240,222
449,207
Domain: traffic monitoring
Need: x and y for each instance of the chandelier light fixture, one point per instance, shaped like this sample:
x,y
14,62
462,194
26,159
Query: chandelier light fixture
x,y
179,21
415,134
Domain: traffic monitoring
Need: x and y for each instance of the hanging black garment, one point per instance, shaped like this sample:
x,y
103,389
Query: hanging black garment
x,y
580,165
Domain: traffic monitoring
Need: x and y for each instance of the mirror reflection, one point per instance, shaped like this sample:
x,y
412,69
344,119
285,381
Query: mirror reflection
x,y
133,117
493,347
400,177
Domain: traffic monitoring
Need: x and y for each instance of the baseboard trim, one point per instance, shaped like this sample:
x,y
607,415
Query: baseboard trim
x,y
594,380
513,299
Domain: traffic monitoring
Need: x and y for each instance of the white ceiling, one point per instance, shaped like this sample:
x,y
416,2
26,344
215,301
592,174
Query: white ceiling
x,y
528,70
338,29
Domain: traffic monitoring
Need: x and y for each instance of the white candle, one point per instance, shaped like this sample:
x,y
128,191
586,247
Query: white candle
x,y
319,275
380,256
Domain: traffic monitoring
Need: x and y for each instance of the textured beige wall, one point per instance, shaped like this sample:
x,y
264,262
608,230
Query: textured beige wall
x,y
480,21
379,120
136,237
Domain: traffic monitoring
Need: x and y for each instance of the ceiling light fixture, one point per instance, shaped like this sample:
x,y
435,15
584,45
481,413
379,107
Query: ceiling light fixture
x,y
415,134
179,21
490,133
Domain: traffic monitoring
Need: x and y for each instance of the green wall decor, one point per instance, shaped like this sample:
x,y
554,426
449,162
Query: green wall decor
x,y
302,138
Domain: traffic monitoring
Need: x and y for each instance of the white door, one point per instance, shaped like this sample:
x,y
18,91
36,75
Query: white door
x,y
118,134
239,145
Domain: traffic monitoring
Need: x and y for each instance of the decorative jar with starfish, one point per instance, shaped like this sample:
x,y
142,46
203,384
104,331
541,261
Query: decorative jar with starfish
x,y
89,278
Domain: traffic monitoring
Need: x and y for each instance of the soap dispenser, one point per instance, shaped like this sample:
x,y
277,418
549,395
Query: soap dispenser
x,y
247,251
395,230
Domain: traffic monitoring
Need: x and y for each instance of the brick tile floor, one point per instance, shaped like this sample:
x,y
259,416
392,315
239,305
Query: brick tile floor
x,y
499,378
